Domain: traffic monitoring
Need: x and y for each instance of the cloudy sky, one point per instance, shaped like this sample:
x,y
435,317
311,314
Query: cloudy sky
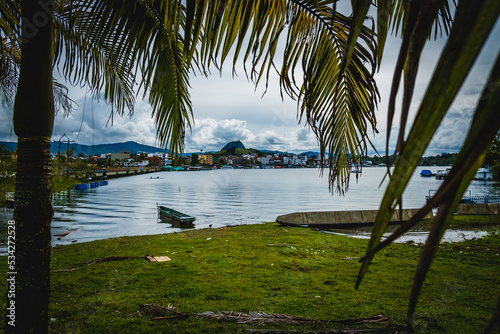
x,y
227,109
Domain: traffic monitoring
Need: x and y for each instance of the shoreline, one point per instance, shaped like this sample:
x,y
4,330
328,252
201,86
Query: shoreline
x,y
100,286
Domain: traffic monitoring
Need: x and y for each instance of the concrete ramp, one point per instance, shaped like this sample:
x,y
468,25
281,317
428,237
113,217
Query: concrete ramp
x,y
341,218
478,209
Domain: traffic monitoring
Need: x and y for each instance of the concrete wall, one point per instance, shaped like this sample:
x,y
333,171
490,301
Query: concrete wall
x,y
322,218
478,209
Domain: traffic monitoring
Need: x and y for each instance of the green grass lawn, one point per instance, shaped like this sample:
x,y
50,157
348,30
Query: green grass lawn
x,y
266,268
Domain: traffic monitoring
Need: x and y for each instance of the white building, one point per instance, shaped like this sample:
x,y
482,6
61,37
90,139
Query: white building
x,y
132,163
296,160
263,160
165,158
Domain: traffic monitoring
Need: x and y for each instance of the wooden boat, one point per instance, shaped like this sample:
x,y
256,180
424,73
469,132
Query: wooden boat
x,y
174,217
341,218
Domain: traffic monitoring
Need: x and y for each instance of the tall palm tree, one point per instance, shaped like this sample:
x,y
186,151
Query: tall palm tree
x,y
53,32
113,45
327,64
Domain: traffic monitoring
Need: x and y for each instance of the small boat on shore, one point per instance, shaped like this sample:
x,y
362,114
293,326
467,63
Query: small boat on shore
x,y
174,217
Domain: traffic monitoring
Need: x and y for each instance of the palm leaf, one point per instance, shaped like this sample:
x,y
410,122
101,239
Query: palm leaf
x,y
337,105
360,10
484,129
416,19
111,46
472,26
10,54
10,61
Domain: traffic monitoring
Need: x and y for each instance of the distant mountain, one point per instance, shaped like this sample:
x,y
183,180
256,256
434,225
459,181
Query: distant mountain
x,y
233,145
307,154
9,145
131,146
310,154
272,152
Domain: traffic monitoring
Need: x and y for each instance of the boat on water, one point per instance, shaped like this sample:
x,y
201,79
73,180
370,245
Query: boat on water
x,y
174,217
442,173
484,174
426,173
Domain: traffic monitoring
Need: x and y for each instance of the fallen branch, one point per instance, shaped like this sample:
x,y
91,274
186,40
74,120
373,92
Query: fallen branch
x,y
261,318
160,312
258,318
326,331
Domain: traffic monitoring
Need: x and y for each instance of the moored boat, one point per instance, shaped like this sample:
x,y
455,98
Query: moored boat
x,y
443,173
174,217
484,174
426,173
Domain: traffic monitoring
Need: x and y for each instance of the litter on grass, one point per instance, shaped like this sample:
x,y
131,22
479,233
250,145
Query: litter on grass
x,y
152,258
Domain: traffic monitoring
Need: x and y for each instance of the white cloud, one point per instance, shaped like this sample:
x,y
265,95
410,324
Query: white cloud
x,y
211,135
227,109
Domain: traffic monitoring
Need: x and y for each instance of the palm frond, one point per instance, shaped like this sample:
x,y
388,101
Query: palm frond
x,y
417,24
10,61
338,105
10,54
10,14
62,101
484,129
470,30
117,48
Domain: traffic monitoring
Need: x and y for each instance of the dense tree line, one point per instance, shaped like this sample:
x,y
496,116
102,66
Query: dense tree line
x,y
443,159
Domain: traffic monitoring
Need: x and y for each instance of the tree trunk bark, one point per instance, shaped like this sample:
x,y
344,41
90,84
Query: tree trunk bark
x,y
29,273
32,217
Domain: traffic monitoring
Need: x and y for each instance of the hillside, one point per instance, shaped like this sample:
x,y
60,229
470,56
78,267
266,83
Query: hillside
x,y
96,149
233,145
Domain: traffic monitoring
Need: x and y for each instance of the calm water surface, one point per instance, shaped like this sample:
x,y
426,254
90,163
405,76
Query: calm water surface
x,y
127,206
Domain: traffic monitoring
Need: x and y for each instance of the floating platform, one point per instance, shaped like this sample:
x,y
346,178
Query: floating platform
x,y
341,218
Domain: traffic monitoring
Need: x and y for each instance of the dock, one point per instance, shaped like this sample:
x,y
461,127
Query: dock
x,y
341,218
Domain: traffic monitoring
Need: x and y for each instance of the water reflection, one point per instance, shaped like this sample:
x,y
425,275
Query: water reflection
x,y
417,235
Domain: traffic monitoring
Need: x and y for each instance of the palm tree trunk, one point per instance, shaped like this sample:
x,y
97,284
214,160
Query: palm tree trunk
x,y
33,124
32,216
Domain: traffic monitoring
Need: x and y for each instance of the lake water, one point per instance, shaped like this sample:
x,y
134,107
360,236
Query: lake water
x,y
127,206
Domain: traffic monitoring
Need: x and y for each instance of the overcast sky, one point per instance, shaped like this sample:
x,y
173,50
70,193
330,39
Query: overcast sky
x,y
227,109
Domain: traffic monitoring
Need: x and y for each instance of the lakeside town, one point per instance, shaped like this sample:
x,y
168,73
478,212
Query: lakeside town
x,y
70,166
